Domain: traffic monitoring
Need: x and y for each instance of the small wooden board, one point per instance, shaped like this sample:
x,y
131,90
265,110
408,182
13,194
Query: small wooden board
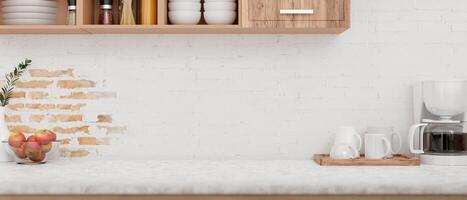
x,y
396,160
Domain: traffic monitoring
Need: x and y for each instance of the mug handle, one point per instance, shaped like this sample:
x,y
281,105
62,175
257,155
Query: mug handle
x,y
359,141
387,145
412,131
354,151
399,138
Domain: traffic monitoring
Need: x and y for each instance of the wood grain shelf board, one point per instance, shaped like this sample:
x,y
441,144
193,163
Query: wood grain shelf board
x,y
40,29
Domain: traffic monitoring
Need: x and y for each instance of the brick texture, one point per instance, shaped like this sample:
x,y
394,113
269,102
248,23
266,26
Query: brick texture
x,y
56,100
71,84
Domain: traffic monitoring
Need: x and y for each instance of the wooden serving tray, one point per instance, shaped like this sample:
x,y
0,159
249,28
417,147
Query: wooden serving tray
x,y
396,160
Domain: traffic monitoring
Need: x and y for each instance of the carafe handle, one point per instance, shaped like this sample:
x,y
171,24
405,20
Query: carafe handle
x,y
359,141
412,131
399,139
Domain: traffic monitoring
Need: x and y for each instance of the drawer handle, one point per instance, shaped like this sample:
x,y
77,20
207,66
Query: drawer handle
x,y
296,12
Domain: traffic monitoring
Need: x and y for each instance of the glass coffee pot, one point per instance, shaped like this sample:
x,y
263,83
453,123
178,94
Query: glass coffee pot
x,y
440,138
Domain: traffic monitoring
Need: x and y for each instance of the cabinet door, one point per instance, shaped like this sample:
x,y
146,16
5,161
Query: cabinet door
x,y
296,10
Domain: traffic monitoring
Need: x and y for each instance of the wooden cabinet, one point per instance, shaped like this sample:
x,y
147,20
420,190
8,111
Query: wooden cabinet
x,y
290,14
254,16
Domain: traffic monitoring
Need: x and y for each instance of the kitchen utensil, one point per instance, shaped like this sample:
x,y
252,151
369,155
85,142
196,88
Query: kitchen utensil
x,y
348,135
185,17
43,3
28,9
53,150
343,151
192,6
440,109
221,17
390,134
377,146
218,6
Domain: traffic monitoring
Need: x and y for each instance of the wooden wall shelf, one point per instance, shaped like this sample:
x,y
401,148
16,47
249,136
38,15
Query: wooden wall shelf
x,y
255,16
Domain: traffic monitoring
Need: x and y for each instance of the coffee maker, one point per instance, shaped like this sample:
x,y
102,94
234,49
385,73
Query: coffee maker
x,y
440,111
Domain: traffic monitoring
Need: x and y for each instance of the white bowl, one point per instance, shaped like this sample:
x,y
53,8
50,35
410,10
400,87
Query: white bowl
x,y
220,0
198,1
29,16
220,17
28,9
193,6
28,22
43,3
217,6
184,17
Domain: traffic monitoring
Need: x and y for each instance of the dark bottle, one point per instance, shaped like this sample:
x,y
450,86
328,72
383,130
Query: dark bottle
x,y
105,14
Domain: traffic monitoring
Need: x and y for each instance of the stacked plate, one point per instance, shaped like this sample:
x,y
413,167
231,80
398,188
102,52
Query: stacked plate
x,y
186,12
29,12
220,11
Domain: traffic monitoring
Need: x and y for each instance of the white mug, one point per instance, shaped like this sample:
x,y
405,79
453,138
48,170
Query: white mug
x,y
390,134
348,135
343,151
377,146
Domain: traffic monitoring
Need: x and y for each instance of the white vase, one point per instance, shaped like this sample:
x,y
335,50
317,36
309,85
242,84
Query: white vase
x,y
4,133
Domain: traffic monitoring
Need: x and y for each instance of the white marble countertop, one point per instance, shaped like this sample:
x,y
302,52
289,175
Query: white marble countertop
x,y
226,177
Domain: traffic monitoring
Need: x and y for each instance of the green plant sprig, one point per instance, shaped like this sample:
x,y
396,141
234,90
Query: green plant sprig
x,y
11,79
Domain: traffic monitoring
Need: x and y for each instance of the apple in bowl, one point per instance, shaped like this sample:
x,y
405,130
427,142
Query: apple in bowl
x,y
34,148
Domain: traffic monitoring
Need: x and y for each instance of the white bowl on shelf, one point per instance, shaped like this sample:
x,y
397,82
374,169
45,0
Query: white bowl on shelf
x,y
28,9
184,17
222,17
42,3
28,22
29,16
217,6
176,6
198,1
220,1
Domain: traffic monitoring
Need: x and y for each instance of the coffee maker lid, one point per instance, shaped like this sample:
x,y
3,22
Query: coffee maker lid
x,y
441,121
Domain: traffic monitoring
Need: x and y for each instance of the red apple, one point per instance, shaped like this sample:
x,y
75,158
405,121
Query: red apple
x,y
43,137
32,138
46,147
19,152
33,150
16,139
40,158
53,136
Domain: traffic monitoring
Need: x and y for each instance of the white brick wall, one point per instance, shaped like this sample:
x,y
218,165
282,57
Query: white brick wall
x,y
261,96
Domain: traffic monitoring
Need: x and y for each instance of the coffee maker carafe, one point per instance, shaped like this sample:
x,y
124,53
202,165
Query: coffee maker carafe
x,y
440,108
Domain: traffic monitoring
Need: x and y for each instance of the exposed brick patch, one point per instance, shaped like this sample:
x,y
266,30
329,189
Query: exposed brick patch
x,y
33,84
72,84
49,74
89,95
18,95
104,118
65,118
36,118
64,152
16,106
65,141
113,130
39,106
13,118
72,107
93,141
84,129
38,95
22,128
